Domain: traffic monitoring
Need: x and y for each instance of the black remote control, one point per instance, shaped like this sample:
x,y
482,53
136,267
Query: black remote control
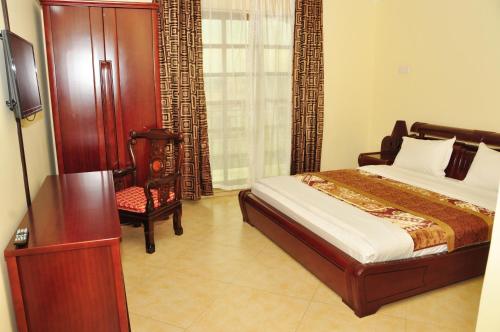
x,y
21,238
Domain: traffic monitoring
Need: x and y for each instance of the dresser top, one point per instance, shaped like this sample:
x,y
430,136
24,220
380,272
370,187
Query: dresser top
x,y
72,211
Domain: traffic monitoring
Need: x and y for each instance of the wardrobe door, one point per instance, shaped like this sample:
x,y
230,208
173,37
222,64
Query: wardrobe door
x,y
74,39
131,47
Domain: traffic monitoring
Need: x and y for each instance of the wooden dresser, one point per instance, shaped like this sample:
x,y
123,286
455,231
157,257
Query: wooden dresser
x,y
69,276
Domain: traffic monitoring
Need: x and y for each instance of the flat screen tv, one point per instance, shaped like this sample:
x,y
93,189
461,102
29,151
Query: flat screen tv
x,y
22,77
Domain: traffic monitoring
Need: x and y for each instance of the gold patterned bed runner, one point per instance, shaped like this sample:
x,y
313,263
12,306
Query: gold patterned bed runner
x,y
430,218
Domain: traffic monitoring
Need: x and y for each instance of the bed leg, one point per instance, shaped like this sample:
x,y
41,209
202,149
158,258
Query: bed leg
x,y
363,311
241,197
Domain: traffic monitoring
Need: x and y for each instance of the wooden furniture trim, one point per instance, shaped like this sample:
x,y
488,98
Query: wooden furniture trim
x,y
97,3
111,54
391,144
16,294
375,158
98,54
52,192
156,67
60,247
53,87
121,297
465,135
465,147
108,113
365,287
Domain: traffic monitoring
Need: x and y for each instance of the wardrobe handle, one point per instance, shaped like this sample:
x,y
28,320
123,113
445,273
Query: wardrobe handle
x,y
108,110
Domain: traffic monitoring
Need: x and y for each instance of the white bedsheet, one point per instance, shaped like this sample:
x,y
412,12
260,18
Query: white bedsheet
x,y
363,236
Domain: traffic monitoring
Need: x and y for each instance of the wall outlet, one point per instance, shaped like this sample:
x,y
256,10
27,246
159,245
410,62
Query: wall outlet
x,y
404,70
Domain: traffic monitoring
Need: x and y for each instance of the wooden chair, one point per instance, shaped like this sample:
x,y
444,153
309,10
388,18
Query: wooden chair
x,y
160,195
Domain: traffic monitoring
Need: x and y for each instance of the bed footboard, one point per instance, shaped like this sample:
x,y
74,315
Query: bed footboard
x,y
363,287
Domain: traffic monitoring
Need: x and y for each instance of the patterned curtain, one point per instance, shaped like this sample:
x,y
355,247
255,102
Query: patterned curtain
x,y
308,93
182,90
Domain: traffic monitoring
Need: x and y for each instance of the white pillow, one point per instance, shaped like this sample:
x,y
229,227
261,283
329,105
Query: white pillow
x,y
485,169
425,156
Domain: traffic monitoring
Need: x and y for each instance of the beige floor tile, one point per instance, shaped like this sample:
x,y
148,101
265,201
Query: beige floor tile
x,y
213,261
224,275
418,326
219,220
245,309
135,273
274,271
239,234
166,251
326,295
396,309
164,238
455,306
334,317
140,323
277,256
173,298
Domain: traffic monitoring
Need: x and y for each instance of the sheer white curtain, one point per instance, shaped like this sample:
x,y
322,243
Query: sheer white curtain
x,y
247,47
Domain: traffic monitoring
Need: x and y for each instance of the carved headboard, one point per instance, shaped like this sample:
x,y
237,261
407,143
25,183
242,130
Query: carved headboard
x,y
464,149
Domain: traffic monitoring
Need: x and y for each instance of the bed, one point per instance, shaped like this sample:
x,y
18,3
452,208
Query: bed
x,y
371,266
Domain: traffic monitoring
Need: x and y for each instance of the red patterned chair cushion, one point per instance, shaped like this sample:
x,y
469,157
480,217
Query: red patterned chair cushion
x,y
133,199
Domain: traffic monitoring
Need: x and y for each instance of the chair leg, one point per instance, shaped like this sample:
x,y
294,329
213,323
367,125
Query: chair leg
x,y
149,235
177,221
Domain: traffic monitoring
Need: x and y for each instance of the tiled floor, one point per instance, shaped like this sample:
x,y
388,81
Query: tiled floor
x,y
223,275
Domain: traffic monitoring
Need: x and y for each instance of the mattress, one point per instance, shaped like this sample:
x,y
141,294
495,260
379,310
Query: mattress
x,y
365,237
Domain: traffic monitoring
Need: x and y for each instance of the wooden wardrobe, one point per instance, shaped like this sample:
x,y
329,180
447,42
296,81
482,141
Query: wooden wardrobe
x,y
104,80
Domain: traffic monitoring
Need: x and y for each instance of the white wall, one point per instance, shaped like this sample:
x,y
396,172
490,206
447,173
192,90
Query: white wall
x,y
26,21
489,316
452,50
349,56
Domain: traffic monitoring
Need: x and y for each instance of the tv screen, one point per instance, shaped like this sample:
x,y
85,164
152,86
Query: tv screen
x,y
22,75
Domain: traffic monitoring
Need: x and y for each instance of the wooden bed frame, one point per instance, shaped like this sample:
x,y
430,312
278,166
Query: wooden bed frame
x,y
366,287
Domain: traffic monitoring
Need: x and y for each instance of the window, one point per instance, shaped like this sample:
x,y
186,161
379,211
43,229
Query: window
x,y
247,68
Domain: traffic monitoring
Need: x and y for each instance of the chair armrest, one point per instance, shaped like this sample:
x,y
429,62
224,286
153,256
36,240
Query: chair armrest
x,y
124,171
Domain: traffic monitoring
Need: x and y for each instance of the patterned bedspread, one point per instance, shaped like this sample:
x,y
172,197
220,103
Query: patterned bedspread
x,y
430,218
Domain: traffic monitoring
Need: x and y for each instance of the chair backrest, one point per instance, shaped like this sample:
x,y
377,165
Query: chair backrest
x,y
165,157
